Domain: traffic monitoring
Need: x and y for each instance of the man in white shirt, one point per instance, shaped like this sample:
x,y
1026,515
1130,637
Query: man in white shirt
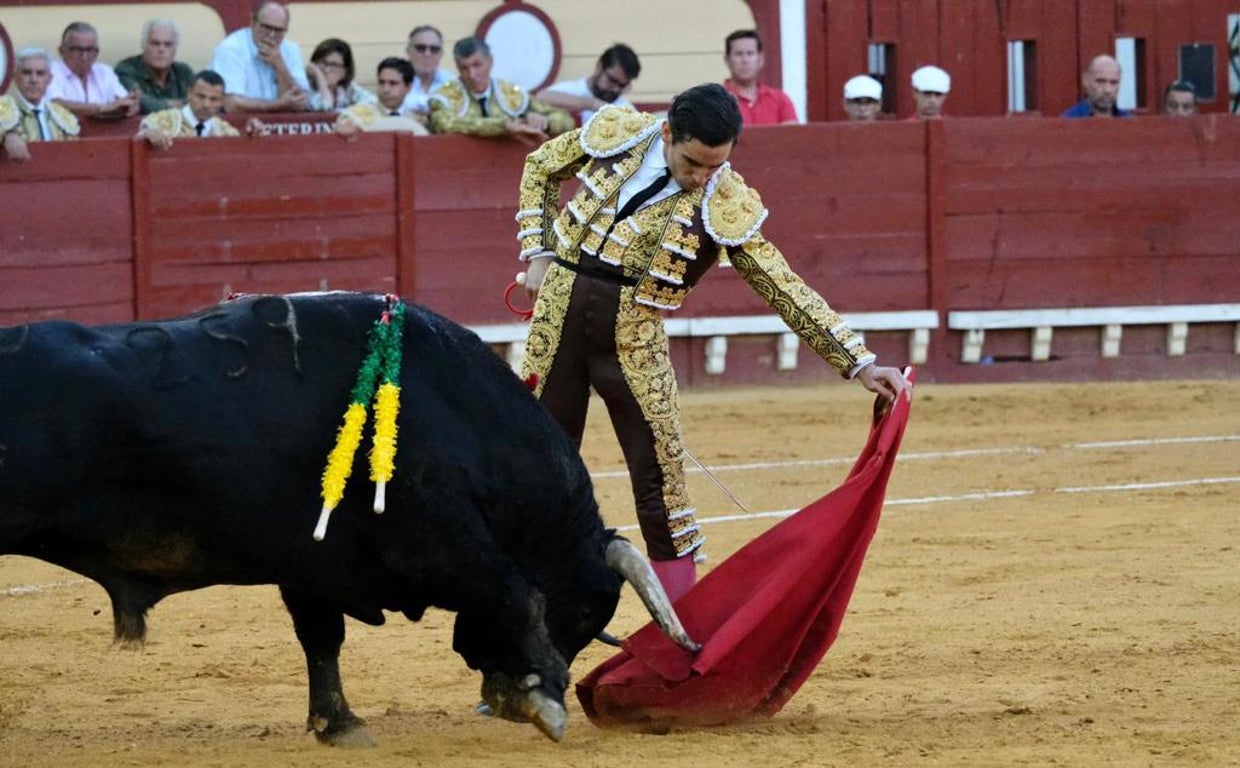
x,y
614,73
425,51
262,70
82,84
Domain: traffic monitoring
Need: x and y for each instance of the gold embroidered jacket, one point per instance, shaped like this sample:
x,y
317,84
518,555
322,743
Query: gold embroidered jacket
x,y
373,117
16,116
669,245
453,110
173,123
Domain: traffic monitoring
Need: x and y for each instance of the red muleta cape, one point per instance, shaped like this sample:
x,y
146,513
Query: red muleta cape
x,y
765,616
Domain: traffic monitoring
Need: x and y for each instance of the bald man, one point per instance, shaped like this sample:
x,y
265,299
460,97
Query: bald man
x,y
1100,82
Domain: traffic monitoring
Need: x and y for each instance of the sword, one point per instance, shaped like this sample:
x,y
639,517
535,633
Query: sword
x,y
718,483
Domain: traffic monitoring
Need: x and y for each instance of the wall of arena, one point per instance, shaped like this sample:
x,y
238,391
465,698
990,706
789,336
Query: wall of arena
x,y
982,249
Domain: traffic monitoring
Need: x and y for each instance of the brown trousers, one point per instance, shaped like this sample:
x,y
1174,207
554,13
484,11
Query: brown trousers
x,y
587,356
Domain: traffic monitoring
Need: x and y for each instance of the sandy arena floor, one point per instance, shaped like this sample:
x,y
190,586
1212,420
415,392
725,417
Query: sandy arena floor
x,y
1055,581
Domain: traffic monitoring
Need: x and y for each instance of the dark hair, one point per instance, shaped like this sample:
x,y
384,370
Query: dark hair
x,y
624,56
400,65
468,46
426,28
1183,86
210,77
741,34
707,113
78,28
336,45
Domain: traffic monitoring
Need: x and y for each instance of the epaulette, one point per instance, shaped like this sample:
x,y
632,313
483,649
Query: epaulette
x,y
513,99
452,95
613,130
67,121
10,115
166,121
362,114
221,127
731,211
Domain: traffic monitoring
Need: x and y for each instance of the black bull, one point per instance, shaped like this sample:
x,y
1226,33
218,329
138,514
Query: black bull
x,y
161,457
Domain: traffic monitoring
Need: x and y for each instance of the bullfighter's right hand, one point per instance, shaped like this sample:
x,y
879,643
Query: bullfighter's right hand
x,y
535,271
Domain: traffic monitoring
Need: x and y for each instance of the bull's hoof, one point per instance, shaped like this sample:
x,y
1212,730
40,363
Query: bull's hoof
x,y
351,733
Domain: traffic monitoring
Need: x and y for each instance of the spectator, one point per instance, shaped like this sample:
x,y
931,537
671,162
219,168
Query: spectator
x,y
615,71
425,51
331,72
760,103
391,112
263,71
199,118
1100,81
1180,99
26,114
161,81
480,106
84,86
930,88
863,97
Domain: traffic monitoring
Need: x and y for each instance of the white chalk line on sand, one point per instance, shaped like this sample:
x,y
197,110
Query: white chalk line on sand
x,y
983,496
26,589
940,455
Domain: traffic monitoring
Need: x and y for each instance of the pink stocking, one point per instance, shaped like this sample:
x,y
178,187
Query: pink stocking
x,y
677,576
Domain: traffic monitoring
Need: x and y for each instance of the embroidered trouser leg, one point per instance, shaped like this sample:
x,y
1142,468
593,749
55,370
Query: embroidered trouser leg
x,y
587,332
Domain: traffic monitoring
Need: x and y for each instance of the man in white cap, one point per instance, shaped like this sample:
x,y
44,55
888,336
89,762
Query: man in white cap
x,y
863,99
930,88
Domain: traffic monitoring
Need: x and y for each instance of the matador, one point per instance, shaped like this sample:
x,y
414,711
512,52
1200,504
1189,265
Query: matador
x,y
658,205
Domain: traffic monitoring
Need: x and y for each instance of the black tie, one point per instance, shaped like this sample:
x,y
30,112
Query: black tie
x,y
394,113
42,133
198,129
482,102
644,194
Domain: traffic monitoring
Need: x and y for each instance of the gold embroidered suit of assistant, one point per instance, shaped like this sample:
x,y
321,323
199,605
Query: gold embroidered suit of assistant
x,y
16,116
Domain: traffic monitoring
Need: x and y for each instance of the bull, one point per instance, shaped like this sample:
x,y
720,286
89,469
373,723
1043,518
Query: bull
x,y
160,457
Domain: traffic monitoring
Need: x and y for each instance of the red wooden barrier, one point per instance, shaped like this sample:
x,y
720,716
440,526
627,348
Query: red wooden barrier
x,y
66,247
953,215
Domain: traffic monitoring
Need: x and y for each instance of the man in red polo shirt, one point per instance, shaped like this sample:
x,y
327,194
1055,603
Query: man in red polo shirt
x,y
760,103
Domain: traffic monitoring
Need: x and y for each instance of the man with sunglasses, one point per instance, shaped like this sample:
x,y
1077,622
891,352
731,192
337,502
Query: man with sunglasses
x,y
425,51
614,74
84,85
262,69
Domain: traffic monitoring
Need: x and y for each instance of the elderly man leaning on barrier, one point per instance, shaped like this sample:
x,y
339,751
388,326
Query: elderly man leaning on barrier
x,y
26,114
161,80
263,69
84,85
658,204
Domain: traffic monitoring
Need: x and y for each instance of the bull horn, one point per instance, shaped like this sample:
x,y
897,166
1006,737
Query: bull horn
x,y
547,714
624,559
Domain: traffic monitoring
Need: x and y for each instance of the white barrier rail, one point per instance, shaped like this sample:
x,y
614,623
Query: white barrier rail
x,y
1042,322
716,330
